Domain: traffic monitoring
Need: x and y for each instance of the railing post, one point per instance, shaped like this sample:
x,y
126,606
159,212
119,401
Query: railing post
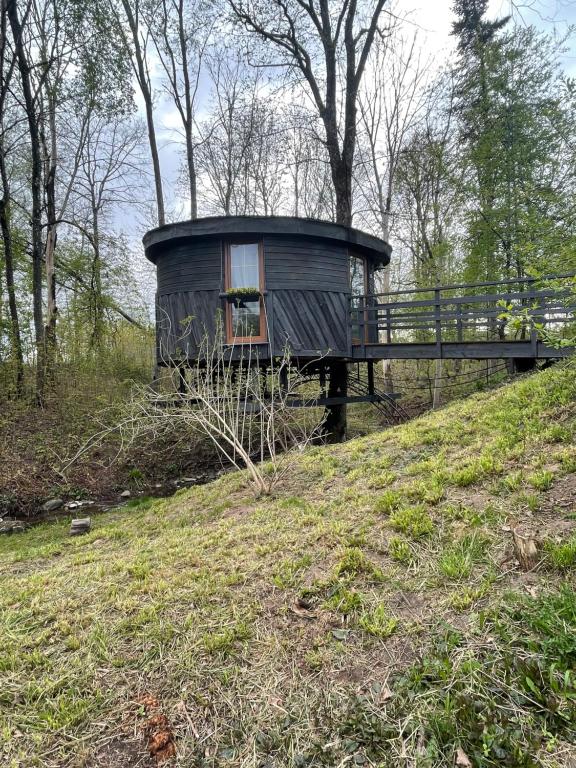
x,y
533,319
388,326
438,322
363,304
459,328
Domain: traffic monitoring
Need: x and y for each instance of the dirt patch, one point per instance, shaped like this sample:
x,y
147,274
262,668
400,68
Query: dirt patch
x,y
121,754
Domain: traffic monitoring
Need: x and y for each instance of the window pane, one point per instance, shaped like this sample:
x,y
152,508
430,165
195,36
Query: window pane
x,y
357,276
244,266
246,319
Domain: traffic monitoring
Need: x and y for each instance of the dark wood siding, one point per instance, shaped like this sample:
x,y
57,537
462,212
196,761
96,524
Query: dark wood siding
x,y
309,322
307,295
176,338
291,262
193,266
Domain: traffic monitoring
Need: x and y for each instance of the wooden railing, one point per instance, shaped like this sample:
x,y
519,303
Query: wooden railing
x,y
464,315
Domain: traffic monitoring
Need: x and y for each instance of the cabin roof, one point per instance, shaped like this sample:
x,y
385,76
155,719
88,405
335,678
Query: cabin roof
x,y
243,226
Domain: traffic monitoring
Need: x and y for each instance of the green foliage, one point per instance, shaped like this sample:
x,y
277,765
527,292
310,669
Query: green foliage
x,y
224,641
506,81
457,560
541,480
500,700
344,601
354,562
288,572
400,550
561,556
377,622
388,501
413,521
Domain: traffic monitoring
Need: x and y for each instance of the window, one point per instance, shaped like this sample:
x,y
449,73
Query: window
x,y
358,287
358,282
244,314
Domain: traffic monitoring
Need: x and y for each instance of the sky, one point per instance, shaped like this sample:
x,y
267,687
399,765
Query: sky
x,y
432,19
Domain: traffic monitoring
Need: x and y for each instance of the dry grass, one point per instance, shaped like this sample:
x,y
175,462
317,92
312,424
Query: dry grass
x,y
273,631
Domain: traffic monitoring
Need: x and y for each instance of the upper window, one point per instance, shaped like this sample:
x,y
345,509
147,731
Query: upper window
x,y
358,276
244,313
244,265
358,287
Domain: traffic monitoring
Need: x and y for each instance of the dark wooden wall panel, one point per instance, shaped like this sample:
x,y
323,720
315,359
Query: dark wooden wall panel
x,y
307,284
190,267
305,264
174,337
310,321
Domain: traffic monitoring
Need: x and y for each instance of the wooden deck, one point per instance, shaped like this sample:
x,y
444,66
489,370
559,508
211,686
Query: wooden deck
x,y
465,321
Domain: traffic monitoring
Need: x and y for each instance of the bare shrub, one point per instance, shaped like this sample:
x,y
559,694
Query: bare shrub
x,y
242,400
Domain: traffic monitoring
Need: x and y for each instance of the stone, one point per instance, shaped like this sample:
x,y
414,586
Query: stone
x,y
80,526
12,526
52,505
125,495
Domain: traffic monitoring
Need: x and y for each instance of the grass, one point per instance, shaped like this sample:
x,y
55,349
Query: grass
x,y
343,621
561,555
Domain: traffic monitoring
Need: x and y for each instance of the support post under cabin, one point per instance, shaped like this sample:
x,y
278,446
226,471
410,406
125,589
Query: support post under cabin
x,y
336,415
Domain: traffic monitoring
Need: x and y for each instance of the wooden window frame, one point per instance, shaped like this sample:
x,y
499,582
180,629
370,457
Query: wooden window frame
x,y
262,336
356,340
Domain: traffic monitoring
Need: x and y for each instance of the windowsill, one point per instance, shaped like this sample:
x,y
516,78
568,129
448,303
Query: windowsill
x,y
224,294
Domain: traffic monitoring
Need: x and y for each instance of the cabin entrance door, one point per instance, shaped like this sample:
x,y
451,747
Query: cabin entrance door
x,y
244,283
358,287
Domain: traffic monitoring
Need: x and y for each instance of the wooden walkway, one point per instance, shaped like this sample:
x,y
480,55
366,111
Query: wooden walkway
x,y
465,321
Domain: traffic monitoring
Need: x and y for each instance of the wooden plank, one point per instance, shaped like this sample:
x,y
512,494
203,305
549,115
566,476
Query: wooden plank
x,y
487,350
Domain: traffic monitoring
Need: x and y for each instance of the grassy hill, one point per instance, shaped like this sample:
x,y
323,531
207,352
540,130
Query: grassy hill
x,y
371,613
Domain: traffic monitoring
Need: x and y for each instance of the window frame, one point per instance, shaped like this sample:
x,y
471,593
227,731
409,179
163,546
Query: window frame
x,y
262,336
356,340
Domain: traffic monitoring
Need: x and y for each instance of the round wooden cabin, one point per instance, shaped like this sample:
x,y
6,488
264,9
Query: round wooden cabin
x,y
278,281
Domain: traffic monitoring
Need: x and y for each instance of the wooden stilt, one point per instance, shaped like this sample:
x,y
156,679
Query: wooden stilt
x,y
335,424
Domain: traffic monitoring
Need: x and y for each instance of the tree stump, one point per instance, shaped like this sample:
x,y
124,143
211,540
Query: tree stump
x,y
525,551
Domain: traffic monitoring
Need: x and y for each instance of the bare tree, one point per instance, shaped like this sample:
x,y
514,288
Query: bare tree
x,y
108,176
329,45
136,40
25,67
227,134
242,408
265,163
181,32
309,166
430,188
7,66
391,100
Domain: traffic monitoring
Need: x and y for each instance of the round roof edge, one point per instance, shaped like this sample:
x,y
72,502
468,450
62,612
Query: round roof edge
x,y
228,226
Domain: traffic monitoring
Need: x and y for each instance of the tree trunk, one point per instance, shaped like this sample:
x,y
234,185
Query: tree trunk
x,y
36,189
188,115
97,334
50,159
5,228
143,82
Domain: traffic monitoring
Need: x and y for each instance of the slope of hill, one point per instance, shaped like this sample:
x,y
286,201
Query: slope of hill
x,y
371,613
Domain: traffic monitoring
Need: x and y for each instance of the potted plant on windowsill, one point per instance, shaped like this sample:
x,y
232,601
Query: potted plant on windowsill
x,y
238,296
